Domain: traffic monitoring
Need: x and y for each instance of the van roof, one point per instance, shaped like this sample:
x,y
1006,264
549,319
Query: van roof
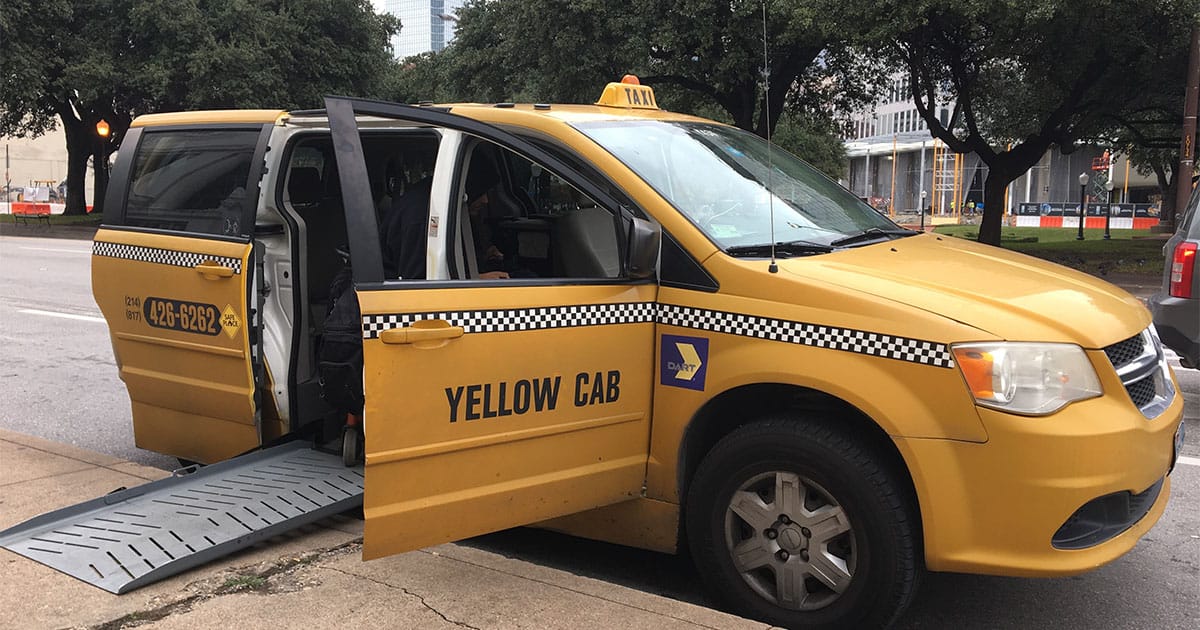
x,y
494,113
261,116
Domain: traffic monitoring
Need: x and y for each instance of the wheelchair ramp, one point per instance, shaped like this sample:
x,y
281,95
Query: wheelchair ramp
x,y
138,536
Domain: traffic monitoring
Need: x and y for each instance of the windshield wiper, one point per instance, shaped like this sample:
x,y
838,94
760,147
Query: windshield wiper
x,y
785,250
871,234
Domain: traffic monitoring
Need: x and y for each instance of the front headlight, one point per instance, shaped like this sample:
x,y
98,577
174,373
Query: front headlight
x,y
1027,378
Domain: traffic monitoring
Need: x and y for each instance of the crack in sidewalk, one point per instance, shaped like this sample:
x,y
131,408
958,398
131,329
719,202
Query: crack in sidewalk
x,y
397,587
236,580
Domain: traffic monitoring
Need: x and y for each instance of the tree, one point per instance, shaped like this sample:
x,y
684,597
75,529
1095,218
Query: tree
x,y
694,52
814,139
716,49
418,78
1030,73
560,51
1155,155
74,62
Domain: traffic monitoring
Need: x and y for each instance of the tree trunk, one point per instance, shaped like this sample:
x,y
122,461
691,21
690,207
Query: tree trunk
x,y
1166,188
1003,168
993,205
79,149
1167,207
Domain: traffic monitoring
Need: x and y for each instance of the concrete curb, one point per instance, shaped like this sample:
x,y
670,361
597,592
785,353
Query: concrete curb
x,y
310,578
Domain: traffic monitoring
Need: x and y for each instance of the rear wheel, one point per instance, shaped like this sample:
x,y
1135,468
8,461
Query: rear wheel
x,y
798,525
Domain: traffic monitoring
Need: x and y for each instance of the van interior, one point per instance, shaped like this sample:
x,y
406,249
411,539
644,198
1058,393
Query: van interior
x,y
533,225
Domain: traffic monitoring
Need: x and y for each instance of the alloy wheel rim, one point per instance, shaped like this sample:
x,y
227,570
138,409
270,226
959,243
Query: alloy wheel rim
x,y
791,542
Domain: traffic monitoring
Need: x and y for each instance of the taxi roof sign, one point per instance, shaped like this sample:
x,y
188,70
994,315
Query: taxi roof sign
x,y
629,93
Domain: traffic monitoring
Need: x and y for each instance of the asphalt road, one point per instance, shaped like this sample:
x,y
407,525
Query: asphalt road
x,y
59,382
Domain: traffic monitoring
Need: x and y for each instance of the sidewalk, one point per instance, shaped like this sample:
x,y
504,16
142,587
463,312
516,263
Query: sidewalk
x,y
312,578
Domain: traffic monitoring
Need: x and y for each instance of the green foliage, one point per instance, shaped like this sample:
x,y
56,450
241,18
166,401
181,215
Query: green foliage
x,y
1128,252
25,62
814,140
699,55
542,50
242,583
83,60
418,78
1021,68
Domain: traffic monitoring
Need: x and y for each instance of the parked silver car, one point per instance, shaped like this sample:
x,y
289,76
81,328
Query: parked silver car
x,y
1176,306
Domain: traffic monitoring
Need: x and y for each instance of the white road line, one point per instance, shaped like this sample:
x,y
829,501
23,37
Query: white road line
x,y
1190,461
84,318
87,252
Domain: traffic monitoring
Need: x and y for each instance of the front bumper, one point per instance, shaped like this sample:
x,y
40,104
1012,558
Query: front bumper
x,y
996,507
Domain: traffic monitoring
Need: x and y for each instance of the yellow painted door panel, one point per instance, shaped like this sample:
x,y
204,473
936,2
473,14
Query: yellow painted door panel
x,y
176,310
489,407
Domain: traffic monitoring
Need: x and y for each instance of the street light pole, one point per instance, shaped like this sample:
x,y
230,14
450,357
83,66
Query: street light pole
x,y
1083,180
1108,208
922,210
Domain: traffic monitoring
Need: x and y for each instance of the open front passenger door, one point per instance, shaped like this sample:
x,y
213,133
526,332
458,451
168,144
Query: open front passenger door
x,y
490,403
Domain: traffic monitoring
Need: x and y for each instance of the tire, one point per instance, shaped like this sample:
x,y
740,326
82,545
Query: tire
x,y
825,536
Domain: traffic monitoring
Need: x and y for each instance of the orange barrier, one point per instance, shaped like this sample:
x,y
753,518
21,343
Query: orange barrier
x,y
1115,223
24,210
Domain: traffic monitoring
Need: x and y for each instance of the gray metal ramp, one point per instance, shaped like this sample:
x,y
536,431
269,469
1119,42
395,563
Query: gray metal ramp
x,y
135,537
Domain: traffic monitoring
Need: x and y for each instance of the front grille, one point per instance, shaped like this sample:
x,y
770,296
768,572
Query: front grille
x,y
1141,392
1123,352
1141,366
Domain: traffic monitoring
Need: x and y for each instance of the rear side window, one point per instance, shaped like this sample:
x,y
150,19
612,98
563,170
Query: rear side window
x,y
192,181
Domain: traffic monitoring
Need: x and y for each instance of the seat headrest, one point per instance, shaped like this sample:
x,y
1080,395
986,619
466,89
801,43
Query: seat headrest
x,y
502,204
304,186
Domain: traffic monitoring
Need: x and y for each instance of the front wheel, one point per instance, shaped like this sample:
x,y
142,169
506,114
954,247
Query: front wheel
x,y
796,524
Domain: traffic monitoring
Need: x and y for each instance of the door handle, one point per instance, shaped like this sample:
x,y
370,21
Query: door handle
x,y
422,330
213,271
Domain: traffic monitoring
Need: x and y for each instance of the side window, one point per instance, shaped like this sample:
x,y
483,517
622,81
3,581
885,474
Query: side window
x,y
399,167
192,181
519,220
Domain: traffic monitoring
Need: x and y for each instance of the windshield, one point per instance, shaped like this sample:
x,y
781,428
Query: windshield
x,y
718,177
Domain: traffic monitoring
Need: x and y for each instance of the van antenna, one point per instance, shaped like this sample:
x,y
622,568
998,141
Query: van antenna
x,y
766,75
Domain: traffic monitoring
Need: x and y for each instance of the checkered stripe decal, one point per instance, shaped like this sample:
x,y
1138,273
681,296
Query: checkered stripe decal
x,y
844,339
510,320
161,256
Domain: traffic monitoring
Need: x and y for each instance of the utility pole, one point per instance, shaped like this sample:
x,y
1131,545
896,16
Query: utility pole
x,y
1187,152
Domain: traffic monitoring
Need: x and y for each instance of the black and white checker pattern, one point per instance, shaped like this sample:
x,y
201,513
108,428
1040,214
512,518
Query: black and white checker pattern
x,y
159,256
510,320
815,335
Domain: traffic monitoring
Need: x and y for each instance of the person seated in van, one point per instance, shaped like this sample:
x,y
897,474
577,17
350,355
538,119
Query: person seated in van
x,y
402,232
489,257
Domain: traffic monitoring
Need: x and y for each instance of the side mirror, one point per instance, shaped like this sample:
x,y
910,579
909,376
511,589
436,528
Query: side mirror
x,y
644,240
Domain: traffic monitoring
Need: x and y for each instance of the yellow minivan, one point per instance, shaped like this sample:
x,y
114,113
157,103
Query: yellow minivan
x,y
635,326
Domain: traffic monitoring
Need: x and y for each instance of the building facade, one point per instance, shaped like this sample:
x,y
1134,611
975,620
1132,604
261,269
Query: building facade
x,y
893,158
425,25
37,163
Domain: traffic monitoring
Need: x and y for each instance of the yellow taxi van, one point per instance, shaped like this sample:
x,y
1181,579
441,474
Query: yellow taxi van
x,y
635,326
